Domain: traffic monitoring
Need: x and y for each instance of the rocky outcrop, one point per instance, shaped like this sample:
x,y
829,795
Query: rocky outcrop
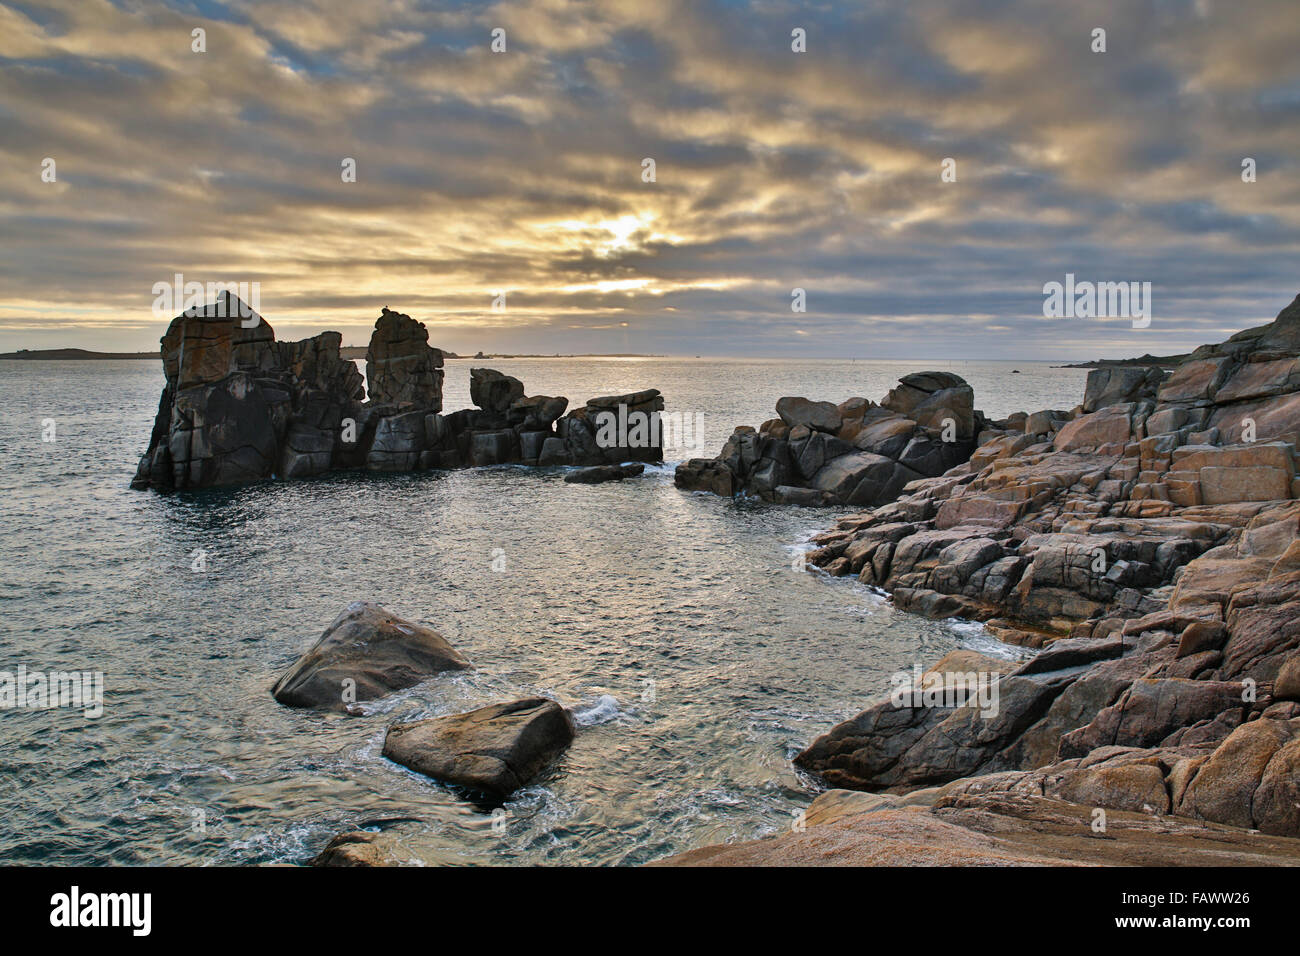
x,y
854,453
494,750
994,828
240,406
365,653
1149,541
401,368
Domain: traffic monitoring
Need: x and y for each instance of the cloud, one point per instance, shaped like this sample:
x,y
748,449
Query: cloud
x,y
482,172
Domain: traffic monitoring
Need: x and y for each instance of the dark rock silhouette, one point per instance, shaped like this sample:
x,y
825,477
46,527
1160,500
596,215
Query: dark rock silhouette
x,y
240,406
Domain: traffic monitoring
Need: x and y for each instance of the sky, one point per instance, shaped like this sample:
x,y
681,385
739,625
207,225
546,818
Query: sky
x,y
501,196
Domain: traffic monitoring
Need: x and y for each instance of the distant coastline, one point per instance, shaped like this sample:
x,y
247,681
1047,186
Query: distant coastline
x,y
1164,361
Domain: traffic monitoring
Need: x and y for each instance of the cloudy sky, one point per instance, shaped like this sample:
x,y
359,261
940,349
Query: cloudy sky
x,y
521,171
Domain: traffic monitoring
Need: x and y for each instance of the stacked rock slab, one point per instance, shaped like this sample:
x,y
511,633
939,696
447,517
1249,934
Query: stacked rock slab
x,y
240,406
853,453
1153,550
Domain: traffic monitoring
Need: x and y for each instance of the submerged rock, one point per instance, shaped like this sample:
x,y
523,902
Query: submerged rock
x,y
598,473
495,749
365,653
366,848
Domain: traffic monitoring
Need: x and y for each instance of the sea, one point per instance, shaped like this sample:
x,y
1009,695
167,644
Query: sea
x,y
697,657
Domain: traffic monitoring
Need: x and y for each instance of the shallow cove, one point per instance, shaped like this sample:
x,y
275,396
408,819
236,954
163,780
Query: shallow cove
x,y
696,658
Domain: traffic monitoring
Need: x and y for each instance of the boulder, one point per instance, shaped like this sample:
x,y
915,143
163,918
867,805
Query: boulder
x,y
495,749
1108,426
495,392
600,473
819,416
365,653
366,848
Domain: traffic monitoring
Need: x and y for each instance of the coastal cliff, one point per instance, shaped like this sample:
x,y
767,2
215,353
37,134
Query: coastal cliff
x,y
1148,542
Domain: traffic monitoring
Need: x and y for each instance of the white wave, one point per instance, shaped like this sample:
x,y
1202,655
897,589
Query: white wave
x,y
605,709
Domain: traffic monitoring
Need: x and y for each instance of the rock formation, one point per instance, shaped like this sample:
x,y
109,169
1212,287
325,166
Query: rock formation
x,y
239,406
854,453
967,827
1149,542
365,653
494,750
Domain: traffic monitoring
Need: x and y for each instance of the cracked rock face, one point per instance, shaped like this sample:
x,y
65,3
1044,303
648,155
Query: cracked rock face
x,y
240,406
401,367
1153,554
494,750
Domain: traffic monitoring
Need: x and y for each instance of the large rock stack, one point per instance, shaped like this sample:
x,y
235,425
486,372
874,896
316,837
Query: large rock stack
x,y
240,406
401,368
1150,541
853,453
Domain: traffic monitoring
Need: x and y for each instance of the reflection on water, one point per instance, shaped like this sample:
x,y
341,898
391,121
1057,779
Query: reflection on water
x,y
697,660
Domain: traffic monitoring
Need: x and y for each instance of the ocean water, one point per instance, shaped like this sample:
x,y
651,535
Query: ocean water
x,y
697,660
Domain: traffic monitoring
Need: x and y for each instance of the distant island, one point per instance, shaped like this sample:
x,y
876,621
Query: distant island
x,y
1164,361
75,355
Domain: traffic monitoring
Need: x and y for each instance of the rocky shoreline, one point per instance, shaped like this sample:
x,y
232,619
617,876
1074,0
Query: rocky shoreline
x,y
1148,541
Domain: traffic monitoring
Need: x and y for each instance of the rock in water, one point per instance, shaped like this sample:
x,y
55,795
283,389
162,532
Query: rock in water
x,y
372,647
364,848
240,406
495,749
598,473
854,453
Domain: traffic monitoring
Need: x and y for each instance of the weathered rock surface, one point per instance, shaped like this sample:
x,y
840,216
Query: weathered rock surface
x,y
1150,543
401,367
495,749
855,453
596,474
993,829
366,848
365,653
240,406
